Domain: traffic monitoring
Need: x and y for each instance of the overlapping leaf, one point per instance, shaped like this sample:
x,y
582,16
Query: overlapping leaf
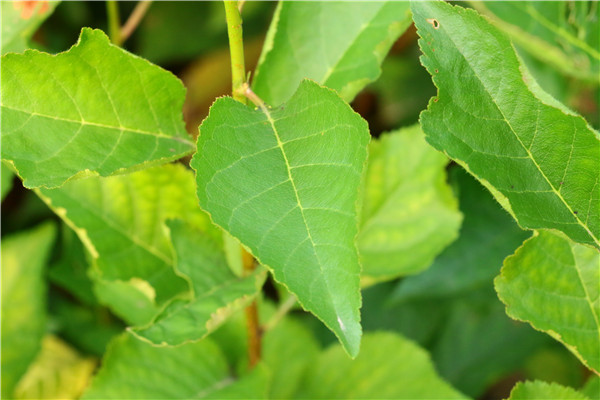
x,y
409,213
552,283
23,301
94,109
216,291
6,180
285,183
539,159
388,367
20,19
120,221
539,390
133,369
561,33
338,44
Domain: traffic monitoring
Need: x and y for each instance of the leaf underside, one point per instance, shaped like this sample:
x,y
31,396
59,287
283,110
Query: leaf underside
x,y
285,183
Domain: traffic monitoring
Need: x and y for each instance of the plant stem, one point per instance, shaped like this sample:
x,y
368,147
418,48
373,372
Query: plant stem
x,y
281,312
238,85
134,19
236,49
114,22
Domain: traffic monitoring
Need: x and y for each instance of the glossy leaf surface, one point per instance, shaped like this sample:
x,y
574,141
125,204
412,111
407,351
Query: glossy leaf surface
x,y
216,291
120,220
409,214
24,256
552,283
94,109
538,158
338,44
375,373
285,183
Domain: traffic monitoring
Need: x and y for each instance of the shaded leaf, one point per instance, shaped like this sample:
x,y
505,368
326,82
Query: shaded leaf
x,y
488,234
20,20
538,158
560,33
58,372
120,220
592,388
552,283
24,257
216,291
93,110
409,214
338,44
285,182
539,390
202,372
6,179
388,366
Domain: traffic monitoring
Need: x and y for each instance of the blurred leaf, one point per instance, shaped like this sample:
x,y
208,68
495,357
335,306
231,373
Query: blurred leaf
x,y
388,366
592,388
539,159
564,34
337,44
285,182
539,390
216,291
552,283
20,20
6,177
487,236
99,111
409,214
289,351
555,364
57,373
134,369
24,256
120,220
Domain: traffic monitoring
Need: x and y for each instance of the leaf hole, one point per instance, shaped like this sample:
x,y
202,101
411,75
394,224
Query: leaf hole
x,y
434,22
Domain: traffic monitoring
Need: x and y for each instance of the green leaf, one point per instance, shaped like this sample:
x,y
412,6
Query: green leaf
x,y
6,179
561,33
592,388
24,256
388,367
216,291
539,390
93,110
285,183
539,159
58,372
488,234
134,369
20,20
409,214
552,283
338,44
120,220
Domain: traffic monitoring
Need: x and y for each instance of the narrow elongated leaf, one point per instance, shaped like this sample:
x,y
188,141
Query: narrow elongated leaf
x,y
409,213
20,20
58,372
216,291
561,33
552,283
488,234
23,301
338,44
94,109
285,183
539,390
388,367
538,158
133,369
120,221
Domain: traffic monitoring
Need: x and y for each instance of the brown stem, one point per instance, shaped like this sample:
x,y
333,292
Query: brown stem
x,y
134,19
252,324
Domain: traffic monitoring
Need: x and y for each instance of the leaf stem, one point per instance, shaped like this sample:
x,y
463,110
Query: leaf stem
x,y
134,19
236,49
238,85
114,21
281,312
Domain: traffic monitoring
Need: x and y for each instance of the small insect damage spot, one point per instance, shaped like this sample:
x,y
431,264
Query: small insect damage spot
x,y
436,71
434,22
435,99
